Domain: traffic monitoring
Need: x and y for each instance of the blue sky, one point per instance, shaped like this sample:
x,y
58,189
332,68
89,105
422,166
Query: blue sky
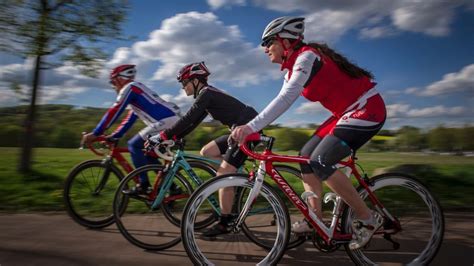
x,y
421,53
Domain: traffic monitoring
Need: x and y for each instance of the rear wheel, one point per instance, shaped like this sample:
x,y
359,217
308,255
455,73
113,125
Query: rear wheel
x,y
89,192
415,233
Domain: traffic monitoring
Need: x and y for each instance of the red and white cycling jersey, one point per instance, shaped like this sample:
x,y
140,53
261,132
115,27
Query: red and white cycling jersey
x,y
317,78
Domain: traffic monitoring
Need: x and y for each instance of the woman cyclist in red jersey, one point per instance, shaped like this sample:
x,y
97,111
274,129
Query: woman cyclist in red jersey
x,y
320,74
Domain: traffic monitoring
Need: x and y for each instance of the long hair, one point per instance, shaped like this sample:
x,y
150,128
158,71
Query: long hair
x,y
342,62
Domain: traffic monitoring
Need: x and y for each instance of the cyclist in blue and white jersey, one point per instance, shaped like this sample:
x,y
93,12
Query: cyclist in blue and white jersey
x,y
142,103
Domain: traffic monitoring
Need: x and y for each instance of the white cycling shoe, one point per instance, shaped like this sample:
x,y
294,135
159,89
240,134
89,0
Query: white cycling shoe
x,y
301,227
363,231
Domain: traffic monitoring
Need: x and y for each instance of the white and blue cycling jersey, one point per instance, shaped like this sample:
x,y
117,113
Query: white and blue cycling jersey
x,y
144,104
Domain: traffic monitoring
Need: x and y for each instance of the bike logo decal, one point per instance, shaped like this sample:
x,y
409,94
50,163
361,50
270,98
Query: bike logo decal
x,y
288,190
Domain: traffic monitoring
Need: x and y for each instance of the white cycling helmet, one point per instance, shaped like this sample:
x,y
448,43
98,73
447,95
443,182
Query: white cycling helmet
x,y
285,27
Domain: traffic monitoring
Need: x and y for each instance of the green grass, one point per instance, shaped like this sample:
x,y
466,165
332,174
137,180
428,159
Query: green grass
x,y
450,178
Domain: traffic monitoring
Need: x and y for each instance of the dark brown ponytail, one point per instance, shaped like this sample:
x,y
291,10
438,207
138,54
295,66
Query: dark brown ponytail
x,y
343,63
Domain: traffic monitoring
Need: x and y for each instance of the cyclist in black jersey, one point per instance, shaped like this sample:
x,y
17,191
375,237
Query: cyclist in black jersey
x,y
222,107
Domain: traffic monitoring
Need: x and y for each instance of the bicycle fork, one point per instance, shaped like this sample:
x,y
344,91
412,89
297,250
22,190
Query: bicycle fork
x,y
257,186
107,162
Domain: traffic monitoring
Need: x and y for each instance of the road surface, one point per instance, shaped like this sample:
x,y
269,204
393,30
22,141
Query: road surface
x,y
54,239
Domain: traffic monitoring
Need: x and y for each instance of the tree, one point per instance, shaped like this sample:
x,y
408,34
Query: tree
x,y
289,139
410,139
54,31
441,139
463,138
65,138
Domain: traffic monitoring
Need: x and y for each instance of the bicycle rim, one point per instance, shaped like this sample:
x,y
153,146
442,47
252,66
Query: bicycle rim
x,y
261,219
232,248
86,201
139,224
420,217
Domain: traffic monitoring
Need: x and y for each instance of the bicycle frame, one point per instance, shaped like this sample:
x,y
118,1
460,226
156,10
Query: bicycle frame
x,y
179,162
115,153
267,158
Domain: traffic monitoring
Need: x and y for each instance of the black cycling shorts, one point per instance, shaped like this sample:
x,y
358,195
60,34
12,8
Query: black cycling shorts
x,y
232,154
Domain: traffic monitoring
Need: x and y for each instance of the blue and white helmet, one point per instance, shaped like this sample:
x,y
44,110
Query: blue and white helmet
x,y
285,27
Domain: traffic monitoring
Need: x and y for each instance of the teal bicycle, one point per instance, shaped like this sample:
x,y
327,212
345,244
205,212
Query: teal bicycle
x,y
152,221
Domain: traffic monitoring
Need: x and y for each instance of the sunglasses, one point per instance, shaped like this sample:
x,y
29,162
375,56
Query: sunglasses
x,y
267,43
185,82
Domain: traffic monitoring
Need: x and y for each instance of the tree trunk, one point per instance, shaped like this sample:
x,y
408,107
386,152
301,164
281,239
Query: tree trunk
x,y
28,139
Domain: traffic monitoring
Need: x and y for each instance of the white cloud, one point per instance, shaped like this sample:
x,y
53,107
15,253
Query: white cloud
x,y
329,25
399,110
430,17
377,32
215,4
182,100
311,108
121,56
227,55
8,97
412,90
462,81
60,83
436,111
328,20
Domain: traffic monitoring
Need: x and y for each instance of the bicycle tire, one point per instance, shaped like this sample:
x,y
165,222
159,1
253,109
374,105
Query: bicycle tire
x,y
210,172
223,250
255,237
95,214
144,227
391,189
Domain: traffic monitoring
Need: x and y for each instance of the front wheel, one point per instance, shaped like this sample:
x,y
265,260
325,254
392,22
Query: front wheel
x,y
230,248
413,223
257,225
89,192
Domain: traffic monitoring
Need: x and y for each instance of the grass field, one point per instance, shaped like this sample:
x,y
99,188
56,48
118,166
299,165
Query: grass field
x,y
450,178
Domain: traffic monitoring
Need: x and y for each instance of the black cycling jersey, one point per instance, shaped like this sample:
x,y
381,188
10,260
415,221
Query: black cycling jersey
x,y
221,106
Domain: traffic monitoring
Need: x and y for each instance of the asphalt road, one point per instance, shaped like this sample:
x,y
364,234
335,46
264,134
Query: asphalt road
x,y
54,239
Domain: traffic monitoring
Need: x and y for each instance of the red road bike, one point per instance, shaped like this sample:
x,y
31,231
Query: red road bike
x,y
411,233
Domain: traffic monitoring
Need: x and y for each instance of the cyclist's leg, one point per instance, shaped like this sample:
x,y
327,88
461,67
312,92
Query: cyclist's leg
x,y
352,130
233,159
135,146
215,148
310,182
